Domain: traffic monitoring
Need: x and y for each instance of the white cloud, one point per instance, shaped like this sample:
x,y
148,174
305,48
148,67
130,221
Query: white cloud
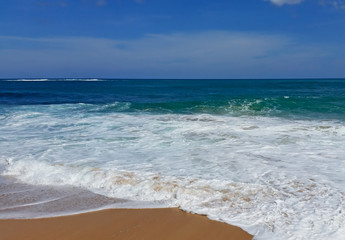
x,y
213,54
283,2
337,4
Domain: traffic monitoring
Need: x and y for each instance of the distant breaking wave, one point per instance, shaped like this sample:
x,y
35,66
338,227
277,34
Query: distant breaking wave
x,y
27,80
55,80
83,79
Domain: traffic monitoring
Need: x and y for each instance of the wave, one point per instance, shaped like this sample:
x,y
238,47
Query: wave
x,y
269,211
269,175
27,80
301,108
286,99
55,80
295,108
83,79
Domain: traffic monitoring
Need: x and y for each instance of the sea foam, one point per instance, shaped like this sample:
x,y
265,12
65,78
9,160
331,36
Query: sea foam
x,y
276,178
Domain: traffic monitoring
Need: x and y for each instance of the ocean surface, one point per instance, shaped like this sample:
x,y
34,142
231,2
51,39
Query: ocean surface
x,y
265,155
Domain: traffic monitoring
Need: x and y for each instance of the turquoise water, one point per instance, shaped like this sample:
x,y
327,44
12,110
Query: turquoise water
x,y
314,99
266,155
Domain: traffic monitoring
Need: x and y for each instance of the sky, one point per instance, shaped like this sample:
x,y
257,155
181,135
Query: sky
x,y
172,39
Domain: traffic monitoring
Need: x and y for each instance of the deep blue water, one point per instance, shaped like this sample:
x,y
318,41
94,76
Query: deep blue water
x,y
298,98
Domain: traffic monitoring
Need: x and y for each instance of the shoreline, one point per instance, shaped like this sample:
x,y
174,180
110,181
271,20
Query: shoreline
x,y
122,224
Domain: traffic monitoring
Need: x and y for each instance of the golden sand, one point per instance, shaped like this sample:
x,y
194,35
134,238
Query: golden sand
x,y
122,224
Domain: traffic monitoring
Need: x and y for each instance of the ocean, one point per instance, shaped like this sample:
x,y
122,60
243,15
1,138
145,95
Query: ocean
x,y
265,155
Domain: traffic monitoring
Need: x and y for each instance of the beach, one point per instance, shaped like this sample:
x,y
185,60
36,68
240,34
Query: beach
x,y
263,155
126,224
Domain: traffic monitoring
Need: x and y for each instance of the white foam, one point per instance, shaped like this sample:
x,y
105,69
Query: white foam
x,y
83,79
55,80
19,200
276,178
27,80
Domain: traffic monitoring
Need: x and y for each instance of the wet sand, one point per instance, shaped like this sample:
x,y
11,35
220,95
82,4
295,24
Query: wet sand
x,y
122,224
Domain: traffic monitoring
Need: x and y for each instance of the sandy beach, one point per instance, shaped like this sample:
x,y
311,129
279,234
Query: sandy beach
x,y
126,224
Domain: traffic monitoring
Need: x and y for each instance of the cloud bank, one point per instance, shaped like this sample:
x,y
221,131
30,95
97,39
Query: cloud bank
x,y
212,54
283,2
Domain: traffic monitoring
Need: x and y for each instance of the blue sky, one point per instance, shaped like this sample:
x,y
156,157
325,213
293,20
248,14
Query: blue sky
x,y
172,39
